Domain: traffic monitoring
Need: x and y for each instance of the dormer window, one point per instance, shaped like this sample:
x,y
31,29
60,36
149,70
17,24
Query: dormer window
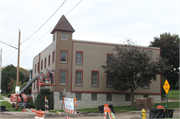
x,y
64,36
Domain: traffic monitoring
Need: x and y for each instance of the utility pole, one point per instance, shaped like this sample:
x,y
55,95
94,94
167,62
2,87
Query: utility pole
x,y
17,84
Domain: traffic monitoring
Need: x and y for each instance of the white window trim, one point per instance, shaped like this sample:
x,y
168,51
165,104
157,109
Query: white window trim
x,y
66,36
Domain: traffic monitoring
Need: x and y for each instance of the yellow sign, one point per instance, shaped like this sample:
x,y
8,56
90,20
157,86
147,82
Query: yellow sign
x,y
166,86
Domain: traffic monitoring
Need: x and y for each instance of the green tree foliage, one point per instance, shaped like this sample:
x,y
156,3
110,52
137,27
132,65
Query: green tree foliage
x,y
26,74
8,73
40,100
132,67
169,45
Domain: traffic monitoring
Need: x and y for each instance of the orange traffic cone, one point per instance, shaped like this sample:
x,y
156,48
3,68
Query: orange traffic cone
x,y
24,110
33,111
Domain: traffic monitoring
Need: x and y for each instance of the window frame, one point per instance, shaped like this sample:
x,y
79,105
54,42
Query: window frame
x,y
147,87
41,64
62,36
66,56
81,76
107,57
92,97
80,96
61,96
53,56
49,60
82,57
107,97
45,62
145,96
97,77
107,82
35,68
60,76
127,98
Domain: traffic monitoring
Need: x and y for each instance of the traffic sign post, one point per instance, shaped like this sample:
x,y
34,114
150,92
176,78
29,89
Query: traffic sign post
x,y
166,87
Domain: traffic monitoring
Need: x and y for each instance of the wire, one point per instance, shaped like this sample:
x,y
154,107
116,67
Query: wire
x,y
74,7
9,55
44,22
37,40
47,31
51,28
9,45
12,59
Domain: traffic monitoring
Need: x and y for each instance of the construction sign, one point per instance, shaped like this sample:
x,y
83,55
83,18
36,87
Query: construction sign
x,y
69,107
108,110
166,86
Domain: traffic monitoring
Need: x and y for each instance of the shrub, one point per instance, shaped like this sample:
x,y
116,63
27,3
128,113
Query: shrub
x,y
40,100
30,100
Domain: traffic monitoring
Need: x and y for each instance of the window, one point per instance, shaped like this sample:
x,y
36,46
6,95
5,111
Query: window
x,y
41,64
108,81
53,57
79,57
94,96
35,68
146,85
38,67
95,78
109,97
145,96
49,60
64,36
61,96
79,77
63,76
109,58
45,63
78,96
127,97
63,55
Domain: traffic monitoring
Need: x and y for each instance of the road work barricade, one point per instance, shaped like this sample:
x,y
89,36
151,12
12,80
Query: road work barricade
x,y
108,110
69,107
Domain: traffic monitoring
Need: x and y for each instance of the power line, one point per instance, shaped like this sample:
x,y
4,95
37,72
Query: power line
x,y
37,40
9,55
48,30
74,7
8,45
44,22
51,28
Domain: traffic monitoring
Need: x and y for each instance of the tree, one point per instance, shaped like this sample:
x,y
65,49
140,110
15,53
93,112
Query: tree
x,y
169,45
26,74
39,101
8,73
132,67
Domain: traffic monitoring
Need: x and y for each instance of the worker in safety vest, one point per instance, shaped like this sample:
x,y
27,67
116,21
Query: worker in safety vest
x,y
50,76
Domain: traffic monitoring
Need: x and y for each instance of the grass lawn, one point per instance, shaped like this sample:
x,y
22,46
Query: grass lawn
x,y
173,94
8,106
171,105
1,98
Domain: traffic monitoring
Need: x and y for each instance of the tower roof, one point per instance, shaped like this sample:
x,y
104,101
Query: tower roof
x,y
63,25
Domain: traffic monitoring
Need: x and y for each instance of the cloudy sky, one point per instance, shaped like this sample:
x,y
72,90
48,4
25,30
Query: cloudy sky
x,y
93,20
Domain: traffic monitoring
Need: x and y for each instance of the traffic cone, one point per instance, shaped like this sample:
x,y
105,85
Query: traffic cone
x,y
24,110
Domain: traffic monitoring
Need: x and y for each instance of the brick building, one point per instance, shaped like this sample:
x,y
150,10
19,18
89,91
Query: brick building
x,y
77,67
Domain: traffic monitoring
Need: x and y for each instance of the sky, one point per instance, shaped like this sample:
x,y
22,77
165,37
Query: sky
x,y
110,21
